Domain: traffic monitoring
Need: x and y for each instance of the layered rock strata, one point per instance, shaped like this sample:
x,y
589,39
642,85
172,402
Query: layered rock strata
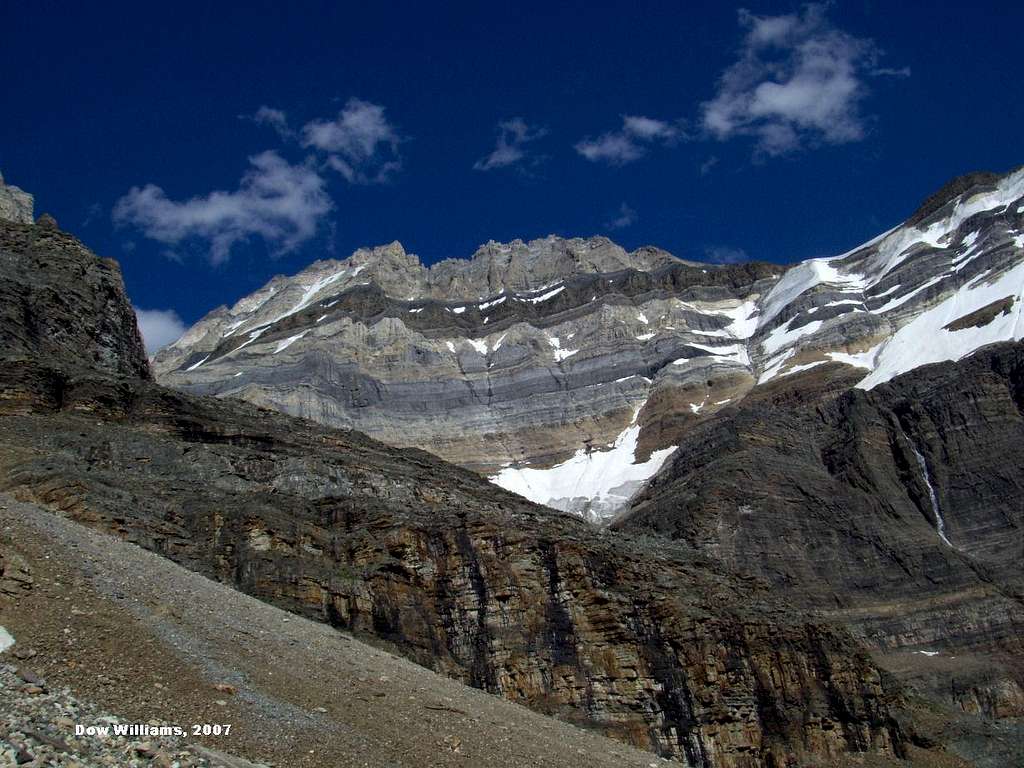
x,y
896,510
647,642
568,370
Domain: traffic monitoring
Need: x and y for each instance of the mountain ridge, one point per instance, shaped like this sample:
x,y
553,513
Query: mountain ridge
x,y
542,387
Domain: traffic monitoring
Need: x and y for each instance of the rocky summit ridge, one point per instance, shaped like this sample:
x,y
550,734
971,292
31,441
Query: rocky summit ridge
x,y
567,370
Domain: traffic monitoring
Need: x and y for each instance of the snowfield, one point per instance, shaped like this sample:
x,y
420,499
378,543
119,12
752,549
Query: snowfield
x,y
605,478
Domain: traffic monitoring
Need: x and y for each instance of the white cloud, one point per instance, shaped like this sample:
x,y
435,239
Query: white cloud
x,y
708,165
360,143
275,118
625,217
159,327
510,148
798,79
647,128
630,142
279,202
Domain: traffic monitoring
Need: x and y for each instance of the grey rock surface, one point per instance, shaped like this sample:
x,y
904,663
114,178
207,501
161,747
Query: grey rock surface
x,y
15,204
534,363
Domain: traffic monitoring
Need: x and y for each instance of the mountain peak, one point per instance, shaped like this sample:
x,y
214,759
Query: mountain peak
x,y
955,188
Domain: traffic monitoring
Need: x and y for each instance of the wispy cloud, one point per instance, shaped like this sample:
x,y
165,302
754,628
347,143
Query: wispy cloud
x,y
624,217
280,202
798,80
708,165
360,143
274,118
723,254
159,327
277,200
510,148
891,71
631,141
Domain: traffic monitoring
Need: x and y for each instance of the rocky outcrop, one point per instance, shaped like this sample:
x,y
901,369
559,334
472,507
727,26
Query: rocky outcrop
x,y
646,641
60,302
897,511
15,204
568,370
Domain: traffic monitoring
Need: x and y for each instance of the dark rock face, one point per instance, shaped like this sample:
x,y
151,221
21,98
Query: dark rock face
x,y
951,190
648,642
60,302
897,510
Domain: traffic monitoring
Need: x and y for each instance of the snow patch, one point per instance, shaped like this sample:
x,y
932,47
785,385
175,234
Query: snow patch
x,y
773,369
559,353
285,343
253,335
196,365
925,339
887,291
743,320
901,300
802,278
803,367
782,336
605,478
736,353
857,359
546,296
488,304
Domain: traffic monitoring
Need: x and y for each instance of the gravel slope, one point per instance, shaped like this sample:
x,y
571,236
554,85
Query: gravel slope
x,y
143,638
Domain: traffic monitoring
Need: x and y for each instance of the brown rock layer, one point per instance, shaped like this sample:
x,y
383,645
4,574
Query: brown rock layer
x,y
896,510
644,641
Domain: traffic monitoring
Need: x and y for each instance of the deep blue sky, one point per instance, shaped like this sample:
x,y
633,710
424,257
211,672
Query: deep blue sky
x,y
100,98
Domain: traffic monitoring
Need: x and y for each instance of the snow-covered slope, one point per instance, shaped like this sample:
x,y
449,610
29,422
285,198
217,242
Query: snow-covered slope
x,y
567,369
595,483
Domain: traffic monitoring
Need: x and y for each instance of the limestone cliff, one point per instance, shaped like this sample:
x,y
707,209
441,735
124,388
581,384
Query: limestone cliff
x,y
568,370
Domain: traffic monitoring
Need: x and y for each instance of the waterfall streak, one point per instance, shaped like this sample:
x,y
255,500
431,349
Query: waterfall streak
x,y
940,523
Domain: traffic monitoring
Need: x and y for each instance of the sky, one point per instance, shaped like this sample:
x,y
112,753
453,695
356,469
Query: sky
x,y
209,147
